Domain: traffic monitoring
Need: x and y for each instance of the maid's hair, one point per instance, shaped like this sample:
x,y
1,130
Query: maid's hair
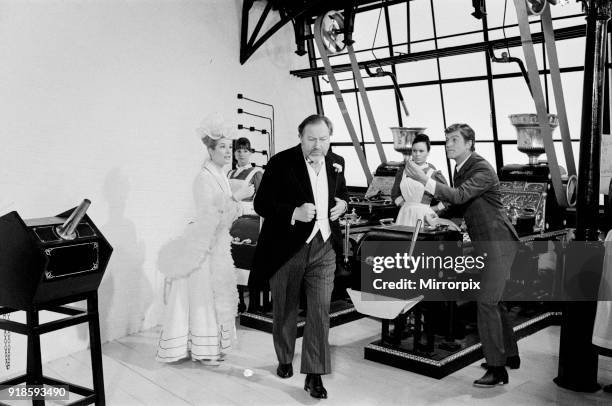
x,y
422,137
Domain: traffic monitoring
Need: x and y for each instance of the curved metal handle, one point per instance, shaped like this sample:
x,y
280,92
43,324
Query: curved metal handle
x,y
571,190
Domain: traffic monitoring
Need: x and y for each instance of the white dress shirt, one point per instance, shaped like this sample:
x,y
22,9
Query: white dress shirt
x,y
321,196
318,182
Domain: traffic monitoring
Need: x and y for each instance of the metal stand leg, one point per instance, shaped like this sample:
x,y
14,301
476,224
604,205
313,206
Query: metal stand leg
x,y
418,328
267,302
33,329
430,328
254,300
34,361
449,343
399,326
385,330
241,304
96,349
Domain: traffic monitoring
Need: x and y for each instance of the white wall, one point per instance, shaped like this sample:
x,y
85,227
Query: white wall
x,y
100,99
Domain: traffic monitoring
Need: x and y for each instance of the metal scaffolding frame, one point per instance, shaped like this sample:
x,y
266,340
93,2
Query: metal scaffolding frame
x,y
315,70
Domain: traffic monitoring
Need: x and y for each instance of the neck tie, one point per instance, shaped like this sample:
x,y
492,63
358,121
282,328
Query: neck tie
x,y
455,174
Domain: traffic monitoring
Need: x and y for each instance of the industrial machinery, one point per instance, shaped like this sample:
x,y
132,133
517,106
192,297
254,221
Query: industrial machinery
x,y
536,195
376,204
527,190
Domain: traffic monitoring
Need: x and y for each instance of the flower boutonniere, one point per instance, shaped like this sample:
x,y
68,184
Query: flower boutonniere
x,y
337,167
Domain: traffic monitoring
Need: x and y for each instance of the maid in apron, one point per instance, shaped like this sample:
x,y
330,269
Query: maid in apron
x,y
245,173
415,203
245,228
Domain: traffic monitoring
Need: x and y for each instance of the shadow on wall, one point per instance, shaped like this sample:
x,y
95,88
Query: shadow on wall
x,y
125,292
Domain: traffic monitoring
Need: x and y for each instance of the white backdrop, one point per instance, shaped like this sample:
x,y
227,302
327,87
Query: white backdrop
x,y
100,99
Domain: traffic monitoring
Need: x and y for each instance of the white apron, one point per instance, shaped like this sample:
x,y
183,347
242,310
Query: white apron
x,y
416,203
237,184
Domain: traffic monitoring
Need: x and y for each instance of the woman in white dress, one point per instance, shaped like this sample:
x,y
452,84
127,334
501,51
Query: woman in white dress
x,y
202,299
415,203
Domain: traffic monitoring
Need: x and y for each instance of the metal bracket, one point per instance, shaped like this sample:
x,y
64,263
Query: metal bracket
x,y
299,13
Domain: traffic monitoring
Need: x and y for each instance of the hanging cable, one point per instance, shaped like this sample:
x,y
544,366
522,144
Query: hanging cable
x,y
380,72
506,57
376,33
504,27
7,344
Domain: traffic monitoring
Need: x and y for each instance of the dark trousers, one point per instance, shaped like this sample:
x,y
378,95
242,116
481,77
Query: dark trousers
x,y
314,266
496,333
494,327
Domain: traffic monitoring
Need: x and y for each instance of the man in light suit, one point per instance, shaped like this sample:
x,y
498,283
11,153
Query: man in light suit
x,y
301,196
476,197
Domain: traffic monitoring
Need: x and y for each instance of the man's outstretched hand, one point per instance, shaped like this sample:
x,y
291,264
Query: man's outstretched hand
x,y
415,172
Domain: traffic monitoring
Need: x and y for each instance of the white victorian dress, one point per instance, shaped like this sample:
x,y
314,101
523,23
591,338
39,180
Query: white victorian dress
x,y
202,300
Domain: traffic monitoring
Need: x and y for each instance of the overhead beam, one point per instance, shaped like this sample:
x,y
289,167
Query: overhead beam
x,y
300,13
560,34
250,45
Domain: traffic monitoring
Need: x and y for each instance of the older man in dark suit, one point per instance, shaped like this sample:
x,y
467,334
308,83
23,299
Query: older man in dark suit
x,y
476,197
301,196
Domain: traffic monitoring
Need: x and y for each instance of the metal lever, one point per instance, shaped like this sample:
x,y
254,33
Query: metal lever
x,y
415,236
66,230
348,218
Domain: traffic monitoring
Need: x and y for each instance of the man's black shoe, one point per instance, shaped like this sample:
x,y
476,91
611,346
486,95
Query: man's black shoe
x,y
493,377
314,385
513,362
284,370
608,388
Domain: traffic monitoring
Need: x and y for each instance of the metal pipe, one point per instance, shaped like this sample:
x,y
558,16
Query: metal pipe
x,y
505,58
577,358
66,230
592,121
380,73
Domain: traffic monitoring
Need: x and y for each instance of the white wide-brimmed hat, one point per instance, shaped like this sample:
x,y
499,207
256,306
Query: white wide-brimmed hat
x,y
216,127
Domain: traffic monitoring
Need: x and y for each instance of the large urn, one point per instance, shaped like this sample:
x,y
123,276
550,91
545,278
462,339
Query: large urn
x,y
529,134
403,137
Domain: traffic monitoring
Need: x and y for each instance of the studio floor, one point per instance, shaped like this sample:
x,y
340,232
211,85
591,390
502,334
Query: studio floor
x,y
133,377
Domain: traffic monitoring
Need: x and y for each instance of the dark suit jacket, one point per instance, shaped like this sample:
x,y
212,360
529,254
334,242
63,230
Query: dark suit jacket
x,y
285,185
476,198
